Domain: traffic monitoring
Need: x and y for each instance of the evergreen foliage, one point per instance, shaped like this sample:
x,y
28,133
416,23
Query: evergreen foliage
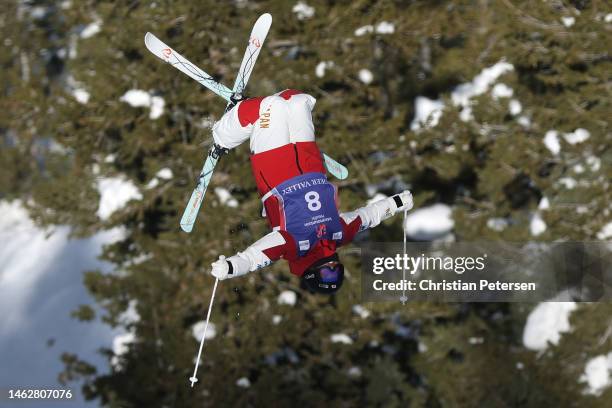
x,y
54,148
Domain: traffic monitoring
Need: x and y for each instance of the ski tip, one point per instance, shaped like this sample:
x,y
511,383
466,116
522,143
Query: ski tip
x,y
187,227
265,18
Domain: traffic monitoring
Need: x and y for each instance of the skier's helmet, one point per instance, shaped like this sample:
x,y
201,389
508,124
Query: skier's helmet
x,y
325,275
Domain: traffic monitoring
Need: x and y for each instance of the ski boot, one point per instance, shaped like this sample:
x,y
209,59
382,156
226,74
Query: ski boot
x,y
217,151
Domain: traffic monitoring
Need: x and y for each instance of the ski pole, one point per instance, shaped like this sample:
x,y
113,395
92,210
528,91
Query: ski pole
x,y
404,298
193,378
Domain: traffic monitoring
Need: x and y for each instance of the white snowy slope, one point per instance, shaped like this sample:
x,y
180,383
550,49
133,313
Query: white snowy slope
x,y
546,323
429,223
41,283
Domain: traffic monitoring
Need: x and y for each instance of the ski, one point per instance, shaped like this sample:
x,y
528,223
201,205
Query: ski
x,y
256,40
170,56
167,54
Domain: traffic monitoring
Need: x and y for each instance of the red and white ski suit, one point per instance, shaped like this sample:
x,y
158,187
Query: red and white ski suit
x,y
282,143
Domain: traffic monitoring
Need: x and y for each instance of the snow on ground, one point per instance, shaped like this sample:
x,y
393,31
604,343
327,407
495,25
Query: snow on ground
x,y
597,374
568,182
197,330
515,107
115,192
41,283
138,98
77,90
384,27
243,382
322,67
303,11
497,224
341,338
366,29
287,297
225,197
165,174
501,91
427,113
81,95
462,94
130,315
276,319
546,323
544,204
354,372
608,18
365,76
154,182
606,232
122,341
361,311
594,163
121,345
577,136
429,223
537,226
91,29
551,141
524,121
568,21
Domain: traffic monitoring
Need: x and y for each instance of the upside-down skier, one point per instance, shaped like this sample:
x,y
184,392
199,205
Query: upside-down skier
x,y
298,200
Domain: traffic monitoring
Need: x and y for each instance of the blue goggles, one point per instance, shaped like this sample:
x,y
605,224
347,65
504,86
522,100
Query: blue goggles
x,y
330,272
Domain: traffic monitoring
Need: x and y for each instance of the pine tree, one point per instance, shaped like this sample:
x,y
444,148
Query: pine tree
x,y
493,166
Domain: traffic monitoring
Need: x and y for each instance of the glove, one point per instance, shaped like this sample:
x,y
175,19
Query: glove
x,y
222,269
403,200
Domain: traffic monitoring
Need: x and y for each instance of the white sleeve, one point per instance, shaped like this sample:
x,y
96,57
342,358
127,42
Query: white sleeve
x,y
373,214
229,132
259,255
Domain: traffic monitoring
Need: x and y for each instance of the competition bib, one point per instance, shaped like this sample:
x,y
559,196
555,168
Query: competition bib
x,y
308,210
